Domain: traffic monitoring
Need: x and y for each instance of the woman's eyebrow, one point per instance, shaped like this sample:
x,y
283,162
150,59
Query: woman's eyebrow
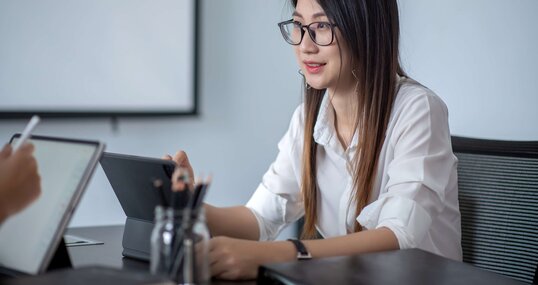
x,y
316,15
319,15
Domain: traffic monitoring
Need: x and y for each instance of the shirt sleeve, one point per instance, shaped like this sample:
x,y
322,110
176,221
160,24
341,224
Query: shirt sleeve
x,y
277,201
419,174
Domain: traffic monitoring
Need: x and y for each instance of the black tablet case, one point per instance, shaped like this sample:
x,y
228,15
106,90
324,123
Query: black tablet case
x,y
131,178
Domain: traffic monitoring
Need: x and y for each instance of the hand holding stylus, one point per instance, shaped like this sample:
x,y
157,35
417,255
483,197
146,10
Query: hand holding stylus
x,y
20,183
26,132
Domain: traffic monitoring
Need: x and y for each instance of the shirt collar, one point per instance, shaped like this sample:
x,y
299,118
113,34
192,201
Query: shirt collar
x,y
324,129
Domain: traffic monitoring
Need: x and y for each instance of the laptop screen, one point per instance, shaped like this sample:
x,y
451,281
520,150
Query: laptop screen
x,y
29,239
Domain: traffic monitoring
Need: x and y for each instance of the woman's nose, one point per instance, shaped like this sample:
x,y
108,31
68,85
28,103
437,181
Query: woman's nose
x,y
307,44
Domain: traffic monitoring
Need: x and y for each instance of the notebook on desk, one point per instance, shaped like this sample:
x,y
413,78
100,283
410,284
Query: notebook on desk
x,y
30,238
407,266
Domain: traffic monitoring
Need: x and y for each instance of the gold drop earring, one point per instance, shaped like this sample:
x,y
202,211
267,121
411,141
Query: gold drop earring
x,y
356,79
306,86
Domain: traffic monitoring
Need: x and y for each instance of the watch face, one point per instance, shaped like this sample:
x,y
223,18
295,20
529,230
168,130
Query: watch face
x,y
302,256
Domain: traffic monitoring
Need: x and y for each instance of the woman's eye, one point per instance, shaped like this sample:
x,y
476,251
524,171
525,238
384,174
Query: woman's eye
x,y
323,25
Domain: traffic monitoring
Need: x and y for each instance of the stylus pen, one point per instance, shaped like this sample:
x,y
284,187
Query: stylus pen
x,y
181,198
158,184
181,194
199,192
195,196
26,133
199,197
177,254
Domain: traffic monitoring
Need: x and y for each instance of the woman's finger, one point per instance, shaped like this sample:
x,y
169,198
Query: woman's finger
x,y
168,157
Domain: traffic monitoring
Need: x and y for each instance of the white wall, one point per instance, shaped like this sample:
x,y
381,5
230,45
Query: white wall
x,y
479,56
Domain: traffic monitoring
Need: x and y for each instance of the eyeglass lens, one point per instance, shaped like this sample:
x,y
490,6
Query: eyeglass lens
x,y
320,32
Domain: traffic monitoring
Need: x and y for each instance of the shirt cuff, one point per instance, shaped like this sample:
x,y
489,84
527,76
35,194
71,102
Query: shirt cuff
x,y
407,219
262,231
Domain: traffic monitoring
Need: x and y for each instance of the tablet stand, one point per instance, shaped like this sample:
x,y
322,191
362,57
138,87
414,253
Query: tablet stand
x,y
136,238
60,259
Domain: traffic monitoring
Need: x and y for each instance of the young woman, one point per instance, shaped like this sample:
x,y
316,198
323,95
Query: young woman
x,y
367,159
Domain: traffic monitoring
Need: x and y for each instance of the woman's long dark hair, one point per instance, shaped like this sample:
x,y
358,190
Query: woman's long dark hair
x,y
370,31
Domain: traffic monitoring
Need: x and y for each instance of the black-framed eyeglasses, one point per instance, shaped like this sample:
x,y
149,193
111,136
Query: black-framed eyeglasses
x,y
321,33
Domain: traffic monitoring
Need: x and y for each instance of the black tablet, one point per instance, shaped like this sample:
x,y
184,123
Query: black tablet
x,y
132,177
29,239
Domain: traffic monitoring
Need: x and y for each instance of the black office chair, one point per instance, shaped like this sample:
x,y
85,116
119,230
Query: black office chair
x,y
498,195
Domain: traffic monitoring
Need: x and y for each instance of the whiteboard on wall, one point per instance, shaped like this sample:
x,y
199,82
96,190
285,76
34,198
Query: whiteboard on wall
x,y
97,57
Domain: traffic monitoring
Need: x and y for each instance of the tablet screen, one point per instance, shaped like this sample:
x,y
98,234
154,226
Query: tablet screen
x,y
29,238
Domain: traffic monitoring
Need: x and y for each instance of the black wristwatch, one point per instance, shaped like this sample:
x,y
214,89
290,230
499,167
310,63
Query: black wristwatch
x,y
302,253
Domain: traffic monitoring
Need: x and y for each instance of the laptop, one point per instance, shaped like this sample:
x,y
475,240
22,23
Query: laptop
x,y
131,178
30,238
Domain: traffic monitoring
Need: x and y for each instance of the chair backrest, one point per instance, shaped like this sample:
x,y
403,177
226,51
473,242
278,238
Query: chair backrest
x,y
498,196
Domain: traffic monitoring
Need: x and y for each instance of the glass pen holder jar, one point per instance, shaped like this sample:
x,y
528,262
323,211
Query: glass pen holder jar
x,y
180,245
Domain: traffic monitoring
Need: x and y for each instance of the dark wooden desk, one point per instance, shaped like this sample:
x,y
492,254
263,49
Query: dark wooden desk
x,y
109,253
408,266
394,267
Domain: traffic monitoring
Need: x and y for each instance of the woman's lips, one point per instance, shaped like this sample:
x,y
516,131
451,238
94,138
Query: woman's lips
x,y
314,67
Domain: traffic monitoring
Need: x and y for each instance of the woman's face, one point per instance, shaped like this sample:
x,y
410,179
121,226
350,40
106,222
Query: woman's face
x,y
320,64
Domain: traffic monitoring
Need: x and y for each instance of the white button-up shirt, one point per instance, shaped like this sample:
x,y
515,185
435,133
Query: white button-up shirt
x,y
415,193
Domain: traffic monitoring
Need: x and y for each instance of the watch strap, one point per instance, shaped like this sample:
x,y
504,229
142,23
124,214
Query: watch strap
x,y
302,252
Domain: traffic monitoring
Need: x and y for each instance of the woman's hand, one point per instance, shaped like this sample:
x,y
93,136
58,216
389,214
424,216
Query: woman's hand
x,y
181,160
238,259
234,259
